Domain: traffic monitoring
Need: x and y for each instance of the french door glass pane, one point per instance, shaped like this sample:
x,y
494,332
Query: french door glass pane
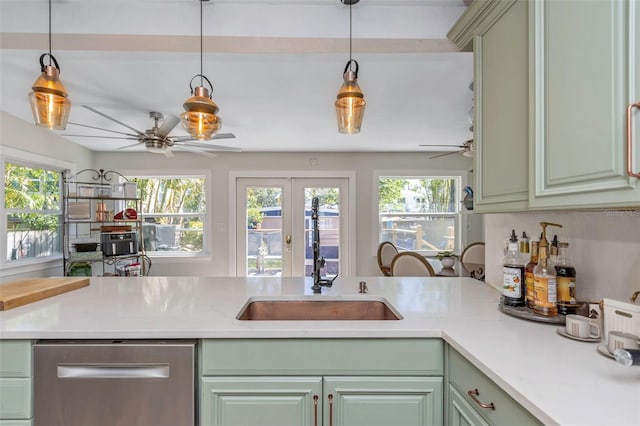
x,y
264,231
329,225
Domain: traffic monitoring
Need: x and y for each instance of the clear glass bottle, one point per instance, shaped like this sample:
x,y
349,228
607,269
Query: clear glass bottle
x,y
514,291
528,273
544,278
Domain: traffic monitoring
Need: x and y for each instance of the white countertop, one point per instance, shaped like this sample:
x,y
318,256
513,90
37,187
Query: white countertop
x,y
560,381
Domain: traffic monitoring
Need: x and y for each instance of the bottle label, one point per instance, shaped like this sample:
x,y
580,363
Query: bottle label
x,y
566,289
512,285
545,291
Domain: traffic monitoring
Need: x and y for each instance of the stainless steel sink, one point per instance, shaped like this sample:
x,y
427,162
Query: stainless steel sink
x,y
315,309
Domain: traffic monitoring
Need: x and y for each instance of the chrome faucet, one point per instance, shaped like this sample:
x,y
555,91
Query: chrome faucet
x,y
318,261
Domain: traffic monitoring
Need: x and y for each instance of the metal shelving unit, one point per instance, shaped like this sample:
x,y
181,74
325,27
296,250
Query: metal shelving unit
x,y
101,208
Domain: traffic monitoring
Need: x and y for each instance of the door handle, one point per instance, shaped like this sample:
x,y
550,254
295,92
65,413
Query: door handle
x,y
330,397
474,394
629,144
113,371
288,239
315,410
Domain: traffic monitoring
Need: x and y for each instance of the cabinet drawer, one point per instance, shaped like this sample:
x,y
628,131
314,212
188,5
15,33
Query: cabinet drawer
x,y
322,356
465,377
15,399
15,358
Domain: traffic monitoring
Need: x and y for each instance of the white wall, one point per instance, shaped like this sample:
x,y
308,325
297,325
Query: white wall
x,y
603,245
25,138
363,164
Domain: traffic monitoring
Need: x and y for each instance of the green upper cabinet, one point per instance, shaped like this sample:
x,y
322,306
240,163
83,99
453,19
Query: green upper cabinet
x,y
553,80
498,32
586,73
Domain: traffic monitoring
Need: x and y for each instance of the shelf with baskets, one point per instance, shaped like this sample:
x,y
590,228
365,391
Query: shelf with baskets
x,y
101,225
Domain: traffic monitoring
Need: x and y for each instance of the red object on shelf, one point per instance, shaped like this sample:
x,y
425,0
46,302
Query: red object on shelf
x,y
126,214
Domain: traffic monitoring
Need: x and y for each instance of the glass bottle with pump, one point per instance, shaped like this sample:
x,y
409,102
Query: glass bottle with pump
x,y
544,278
513,286
528,273
566,275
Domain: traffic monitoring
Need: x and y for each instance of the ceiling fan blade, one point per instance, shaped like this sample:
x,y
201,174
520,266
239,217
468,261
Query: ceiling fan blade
x,y
102,137
167,126
445,146
442,155
206,147
197,151
138,132
99,128
216,136
129,146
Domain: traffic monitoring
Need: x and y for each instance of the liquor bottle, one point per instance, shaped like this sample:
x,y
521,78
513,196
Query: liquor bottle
x,y
528,273
514,291
544,278
566,275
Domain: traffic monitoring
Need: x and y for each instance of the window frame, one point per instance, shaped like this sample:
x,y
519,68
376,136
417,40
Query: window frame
x,y
459,216
207,233
28,159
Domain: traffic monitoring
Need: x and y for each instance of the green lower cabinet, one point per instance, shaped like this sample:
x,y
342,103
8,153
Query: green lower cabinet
x,y
265,401
461,413
16,405
383,401
16,422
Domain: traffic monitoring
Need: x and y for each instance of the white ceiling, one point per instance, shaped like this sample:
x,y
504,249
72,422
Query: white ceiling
x,y
275,65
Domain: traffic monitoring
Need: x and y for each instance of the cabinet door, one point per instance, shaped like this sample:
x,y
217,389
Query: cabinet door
x,y
501,68
586,73
264,401
383,401
461,413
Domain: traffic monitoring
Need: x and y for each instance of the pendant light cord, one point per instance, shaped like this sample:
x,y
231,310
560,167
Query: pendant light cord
x,y
350,36
201,70
49,32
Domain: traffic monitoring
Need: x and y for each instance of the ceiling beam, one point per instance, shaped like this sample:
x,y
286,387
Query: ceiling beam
x,y
220,44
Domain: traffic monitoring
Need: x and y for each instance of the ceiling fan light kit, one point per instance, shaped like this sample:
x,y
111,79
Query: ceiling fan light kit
x,y
49,99
350,103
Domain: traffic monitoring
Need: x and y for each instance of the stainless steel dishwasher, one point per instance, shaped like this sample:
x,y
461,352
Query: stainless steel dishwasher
x,y
114,383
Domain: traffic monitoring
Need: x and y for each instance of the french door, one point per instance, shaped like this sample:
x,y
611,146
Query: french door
x,y
274,230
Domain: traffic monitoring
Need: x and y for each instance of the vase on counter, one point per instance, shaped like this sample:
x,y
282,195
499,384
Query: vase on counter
x,y
448,261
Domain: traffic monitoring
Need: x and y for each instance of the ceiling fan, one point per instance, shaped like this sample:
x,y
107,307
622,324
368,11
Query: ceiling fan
x,y
157,138
466,149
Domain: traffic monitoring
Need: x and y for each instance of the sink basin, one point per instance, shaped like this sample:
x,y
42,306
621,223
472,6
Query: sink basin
x,y
312,309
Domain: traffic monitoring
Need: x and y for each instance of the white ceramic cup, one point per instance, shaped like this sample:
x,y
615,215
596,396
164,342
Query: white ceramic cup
x,y
582,327
620,340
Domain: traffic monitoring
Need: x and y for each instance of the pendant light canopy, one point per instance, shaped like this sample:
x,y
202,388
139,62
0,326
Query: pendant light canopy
x,y
49,100
350,101
199,118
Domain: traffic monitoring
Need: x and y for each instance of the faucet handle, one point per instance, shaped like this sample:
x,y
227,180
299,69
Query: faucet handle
x,y
363,287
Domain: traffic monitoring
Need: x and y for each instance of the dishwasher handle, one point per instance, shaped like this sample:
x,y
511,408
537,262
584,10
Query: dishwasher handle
x,y
113,371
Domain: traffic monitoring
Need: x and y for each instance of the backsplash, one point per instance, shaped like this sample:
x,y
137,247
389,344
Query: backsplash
x,y
604,247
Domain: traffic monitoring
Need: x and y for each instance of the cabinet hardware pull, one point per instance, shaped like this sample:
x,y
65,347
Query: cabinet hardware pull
x,y
473,393
330,409
315,410
629,147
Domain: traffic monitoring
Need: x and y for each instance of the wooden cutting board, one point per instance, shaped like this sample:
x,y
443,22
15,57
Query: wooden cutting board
x,y
21,292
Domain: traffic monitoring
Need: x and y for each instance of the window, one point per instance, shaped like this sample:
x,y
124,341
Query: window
x,y
32,212
420,213
173,214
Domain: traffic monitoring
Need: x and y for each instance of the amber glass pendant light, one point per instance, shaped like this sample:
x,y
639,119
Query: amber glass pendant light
x,y
199,118
350,101
49,100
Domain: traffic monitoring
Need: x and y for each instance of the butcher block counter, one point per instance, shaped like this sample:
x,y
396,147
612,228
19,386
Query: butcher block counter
x,y
560,381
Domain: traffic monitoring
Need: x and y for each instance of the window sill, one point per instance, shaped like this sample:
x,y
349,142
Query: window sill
x,y
179,257
31,266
